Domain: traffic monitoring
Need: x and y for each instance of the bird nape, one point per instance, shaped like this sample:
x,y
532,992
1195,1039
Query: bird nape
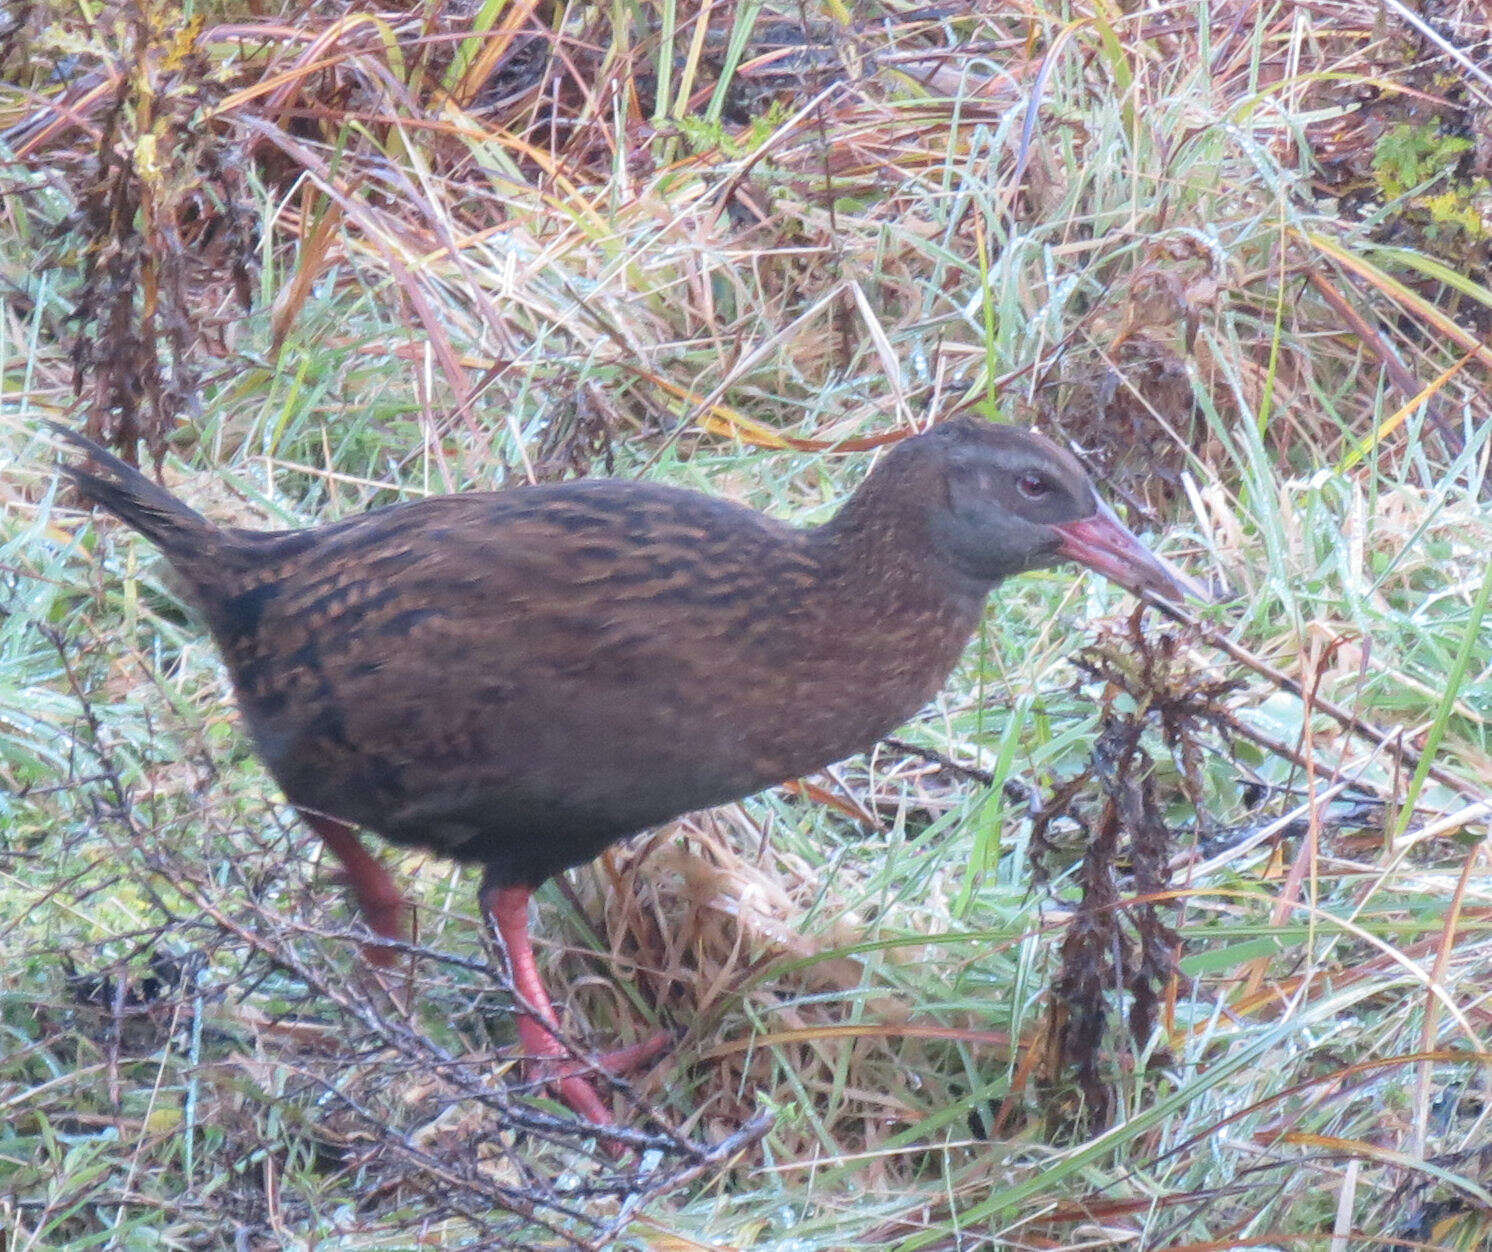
x,y
517,679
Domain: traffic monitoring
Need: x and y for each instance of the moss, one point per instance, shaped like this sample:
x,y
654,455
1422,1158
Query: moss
x,y
1410,158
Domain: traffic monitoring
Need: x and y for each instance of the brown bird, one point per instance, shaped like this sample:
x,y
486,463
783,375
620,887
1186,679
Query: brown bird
x,y
517,679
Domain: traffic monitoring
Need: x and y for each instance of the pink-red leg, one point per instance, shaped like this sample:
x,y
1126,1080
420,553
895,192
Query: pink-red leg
x,y
378,899
537,1023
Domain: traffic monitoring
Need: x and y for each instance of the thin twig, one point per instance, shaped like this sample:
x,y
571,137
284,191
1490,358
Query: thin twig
x,y
1350,722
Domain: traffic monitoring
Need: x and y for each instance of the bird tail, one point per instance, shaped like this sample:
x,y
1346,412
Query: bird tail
x,y
185,536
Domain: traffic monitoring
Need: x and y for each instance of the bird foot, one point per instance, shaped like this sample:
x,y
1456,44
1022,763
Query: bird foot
x,y
552,1067
378,897
388,918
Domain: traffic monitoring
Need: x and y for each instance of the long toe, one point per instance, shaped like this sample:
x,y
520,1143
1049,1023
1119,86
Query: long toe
x,y
636,1057
566,1078
576,1094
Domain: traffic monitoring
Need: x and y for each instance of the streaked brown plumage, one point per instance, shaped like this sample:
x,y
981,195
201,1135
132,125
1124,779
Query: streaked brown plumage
x,y
517,679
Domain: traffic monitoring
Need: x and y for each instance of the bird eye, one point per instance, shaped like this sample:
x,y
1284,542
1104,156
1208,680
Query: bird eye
x,y
1033,486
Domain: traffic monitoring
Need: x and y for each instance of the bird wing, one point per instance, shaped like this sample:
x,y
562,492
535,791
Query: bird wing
x,y
563,660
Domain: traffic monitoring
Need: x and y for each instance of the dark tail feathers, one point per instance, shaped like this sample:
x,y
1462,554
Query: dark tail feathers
x,y
183,535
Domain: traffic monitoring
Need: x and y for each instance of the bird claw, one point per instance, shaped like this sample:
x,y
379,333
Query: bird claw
x,y
563,1075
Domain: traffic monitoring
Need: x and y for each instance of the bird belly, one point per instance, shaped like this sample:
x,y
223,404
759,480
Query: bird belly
x,y
527,793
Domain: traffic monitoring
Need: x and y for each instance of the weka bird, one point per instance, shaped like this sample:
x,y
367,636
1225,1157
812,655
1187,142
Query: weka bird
x,y
519,678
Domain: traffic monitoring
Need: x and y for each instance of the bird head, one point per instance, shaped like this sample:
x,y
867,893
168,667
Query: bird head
x,y
1003,500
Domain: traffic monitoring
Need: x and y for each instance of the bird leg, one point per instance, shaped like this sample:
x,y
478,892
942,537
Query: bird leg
x,y
538,1027
378,898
